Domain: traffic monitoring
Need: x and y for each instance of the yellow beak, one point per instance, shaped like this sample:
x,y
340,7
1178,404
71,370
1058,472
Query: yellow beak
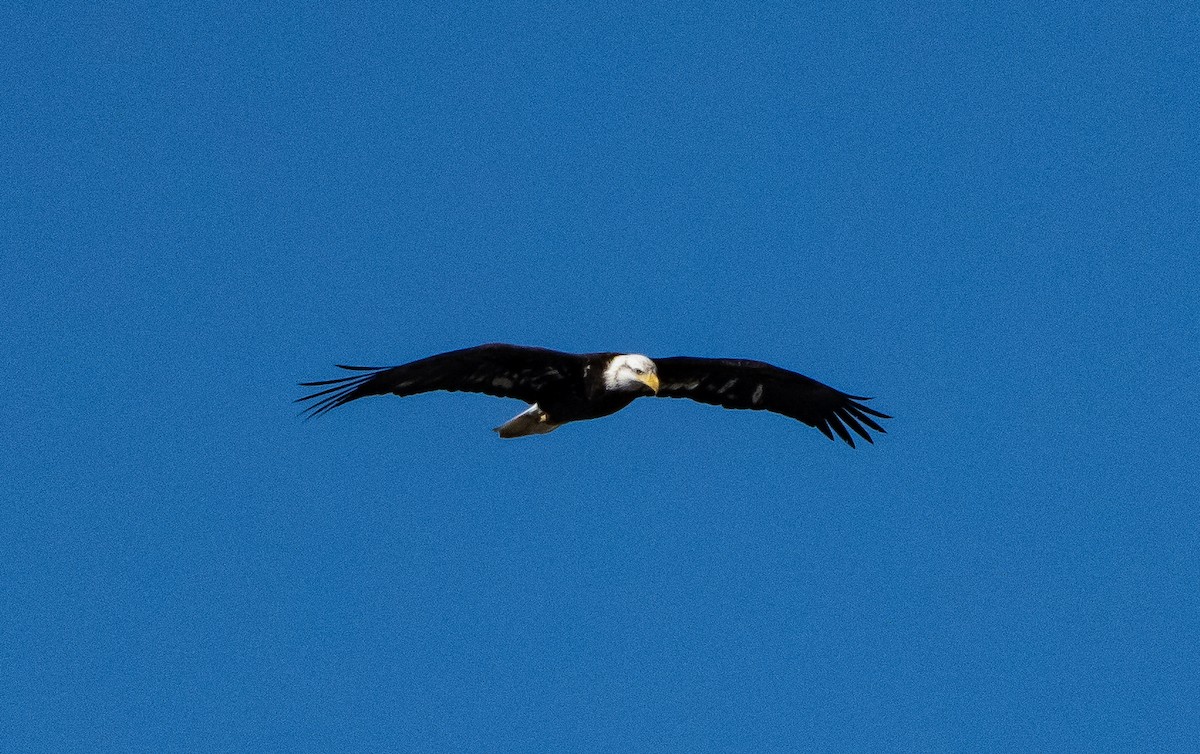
x,y
651,381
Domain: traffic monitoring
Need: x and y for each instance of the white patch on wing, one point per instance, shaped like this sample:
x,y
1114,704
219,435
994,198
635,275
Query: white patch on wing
x,y
727,385
757,397
503,382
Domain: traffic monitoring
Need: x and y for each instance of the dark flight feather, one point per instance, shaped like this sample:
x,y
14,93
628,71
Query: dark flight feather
x,y
744,384
495,369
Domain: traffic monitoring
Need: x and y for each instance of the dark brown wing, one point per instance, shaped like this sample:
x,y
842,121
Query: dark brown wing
x,y
737,383
494,369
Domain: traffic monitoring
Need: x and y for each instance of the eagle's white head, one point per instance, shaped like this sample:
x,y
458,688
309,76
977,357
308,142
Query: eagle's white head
x,y
631,372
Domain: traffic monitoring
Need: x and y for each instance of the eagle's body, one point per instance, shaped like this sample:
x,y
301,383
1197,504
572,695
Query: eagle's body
x,y
565,387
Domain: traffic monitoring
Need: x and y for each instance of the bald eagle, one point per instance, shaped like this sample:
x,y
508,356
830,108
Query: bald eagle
x,y
567,387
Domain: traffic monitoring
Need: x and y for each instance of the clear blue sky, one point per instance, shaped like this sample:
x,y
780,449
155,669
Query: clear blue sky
x,y
985,215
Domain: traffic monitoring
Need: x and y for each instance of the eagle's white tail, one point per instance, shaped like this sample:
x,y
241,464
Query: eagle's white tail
x,y
531,421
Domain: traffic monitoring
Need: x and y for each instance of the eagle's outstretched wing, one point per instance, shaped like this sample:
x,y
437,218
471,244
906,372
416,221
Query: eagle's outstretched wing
x,y
495,369
738,383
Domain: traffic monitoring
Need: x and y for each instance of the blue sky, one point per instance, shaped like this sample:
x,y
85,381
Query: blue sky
x,y
983,215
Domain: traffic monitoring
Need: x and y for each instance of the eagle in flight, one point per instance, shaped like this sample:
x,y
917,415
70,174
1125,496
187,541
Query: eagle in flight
x,y
566,387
